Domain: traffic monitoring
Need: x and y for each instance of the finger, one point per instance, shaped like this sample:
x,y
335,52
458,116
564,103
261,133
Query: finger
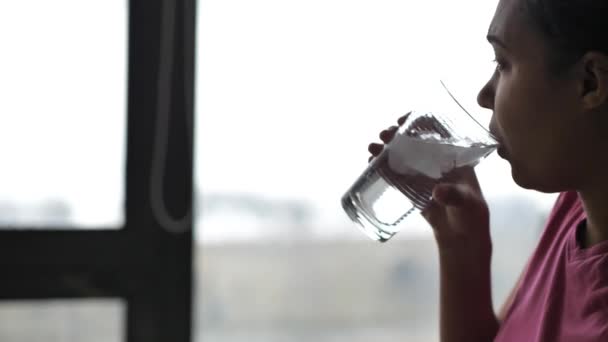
x,y
434,215
388,134
427,212
402,119
464,175
448,195
469,176
435,212
375,149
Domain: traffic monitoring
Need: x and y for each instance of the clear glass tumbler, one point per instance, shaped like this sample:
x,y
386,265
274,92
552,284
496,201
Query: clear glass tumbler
x,y
399,182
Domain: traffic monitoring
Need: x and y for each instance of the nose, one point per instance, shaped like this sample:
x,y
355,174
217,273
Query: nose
x,y
485,98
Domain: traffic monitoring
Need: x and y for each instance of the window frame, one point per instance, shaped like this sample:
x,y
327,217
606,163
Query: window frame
x,y
144,264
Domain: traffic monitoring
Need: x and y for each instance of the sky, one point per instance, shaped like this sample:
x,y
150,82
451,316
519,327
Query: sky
x,y
288,96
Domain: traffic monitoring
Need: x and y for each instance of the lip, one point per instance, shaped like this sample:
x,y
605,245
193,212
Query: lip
x,y
500,150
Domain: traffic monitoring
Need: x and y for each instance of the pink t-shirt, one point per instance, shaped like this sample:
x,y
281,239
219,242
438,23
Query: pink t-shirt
x,y
563,295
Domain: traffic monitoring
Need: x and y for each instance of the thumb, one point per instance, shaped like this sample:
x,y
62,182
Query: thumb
x,y
449,195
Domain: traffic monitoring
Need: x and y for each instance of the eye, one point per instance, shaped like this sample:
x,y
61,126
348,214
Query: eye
x,y
500,65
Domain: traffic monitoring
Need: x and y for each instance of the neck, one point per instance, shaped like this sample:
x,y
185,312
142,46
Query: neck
x,y
595,202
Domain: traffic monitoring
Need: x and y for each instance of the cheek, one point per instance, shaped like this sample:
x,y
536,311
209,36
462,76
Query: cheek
x,y
535,117
512,115
520,117
524,110
535,131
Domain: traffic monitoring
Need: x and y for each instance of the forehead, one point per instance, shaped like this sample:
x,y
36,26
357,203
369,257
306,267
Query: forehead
x,y
512,25
509,22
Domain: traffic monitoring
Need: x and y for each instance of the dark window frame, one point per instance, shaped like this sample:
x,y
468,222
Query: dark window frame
x,y
144,264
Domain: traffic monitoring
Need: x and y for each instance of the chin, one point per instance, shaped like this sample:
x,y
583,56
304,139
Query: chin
x,y
528,180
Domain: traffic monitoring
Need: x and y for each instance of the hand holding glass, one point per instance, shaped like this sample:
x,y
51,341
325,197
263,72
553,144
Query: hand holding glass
x,y
399,182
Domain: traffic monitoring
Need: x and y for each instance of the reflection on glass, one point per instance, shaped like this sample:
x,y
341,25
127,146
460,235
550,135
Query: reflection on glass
x,y
63,320
62,113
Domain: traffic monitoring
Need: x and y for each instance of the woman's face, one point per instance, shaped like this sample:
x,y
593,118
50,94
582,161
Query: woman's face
x,y
535,113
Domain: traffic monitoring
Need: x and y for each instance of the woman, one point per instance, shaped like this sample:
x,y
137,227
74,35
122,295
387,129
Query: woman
x,y
549,96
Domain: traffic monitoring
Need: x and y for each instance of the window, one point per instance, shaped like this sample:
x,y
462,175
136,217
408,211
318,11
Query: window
x,y
289,94
125,132
64,113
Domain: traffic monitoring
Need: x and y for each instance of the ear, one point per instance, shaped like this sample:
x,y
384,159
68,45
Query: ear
x,y
594,79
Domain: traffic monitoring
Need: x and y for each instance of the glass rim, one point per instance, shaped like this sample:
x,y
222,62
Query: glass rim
x,y
487,131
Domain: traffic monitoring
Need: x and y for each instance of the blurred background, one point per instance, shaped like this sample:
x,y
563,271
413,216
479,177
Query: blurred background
x,y
288,96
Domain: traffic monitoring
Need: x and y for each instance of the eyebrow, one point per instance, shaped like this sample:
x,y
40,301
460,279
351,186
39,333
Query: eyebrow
x,y
495,40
